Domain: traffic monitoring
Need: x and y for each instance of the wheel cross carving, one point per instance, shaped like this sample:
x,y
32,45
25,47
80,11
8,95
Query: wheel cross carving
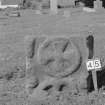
x,y
60,56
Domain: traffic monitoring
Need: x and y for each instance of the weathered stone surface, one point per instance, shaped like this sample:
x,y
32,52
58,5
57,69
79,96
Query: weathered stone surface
x,y
56,91
49,87
44,86
60,56
31,84
31,46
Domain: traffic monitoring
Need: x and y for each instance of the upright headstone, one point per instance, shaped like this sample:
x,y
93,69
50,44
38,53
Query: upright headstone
x,y
67,13
53,6
98,4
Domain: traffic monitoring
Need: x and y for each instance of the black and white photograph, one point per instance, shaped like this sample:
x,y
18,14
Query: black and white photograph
x,y
52,52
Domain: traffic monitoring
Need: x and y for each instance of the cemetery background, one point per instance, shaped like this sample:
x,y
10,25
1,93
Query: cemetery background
x,y
13,31
61,2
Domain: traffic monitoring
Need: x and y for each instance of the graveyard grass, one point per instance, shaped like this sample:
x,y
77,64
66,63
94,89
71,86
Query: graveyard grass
x,y
13,30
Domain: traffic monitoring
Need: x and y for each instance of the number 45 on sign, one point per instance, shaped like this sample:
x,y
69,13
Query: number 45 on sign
x,y
93,64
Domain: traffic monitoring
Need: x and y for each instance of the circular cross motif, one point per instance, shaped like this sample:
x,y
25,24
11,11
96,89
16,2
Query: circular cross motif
x,y
60,56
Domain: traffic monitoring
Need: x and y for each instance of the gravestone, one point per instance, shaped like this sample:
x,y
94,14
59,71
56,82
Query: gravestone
x,y
54,58
97,4
53,6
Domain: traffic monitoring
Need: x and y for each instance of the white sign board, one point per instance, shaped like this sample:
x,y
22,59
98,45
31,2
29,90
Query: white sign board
x,y
93,64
